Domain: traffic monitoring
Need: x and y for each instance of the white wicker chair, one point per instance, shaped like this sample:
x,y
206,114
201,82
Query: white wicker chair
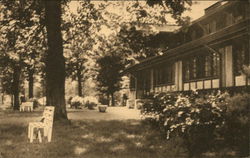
x,y
46,124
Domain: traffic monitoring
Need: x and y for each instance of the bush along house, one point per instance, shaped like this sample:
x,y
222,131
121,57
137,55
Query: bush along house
x,y
208,56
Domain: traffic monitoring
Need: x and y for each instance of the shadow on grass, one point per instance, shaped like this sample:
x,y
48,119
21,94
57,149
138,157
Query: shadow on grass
x,y
91,139
15,113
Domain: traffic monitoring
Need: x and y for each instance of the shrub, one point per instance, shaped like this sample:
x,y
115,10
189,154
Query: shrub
x,y
90,102
35,103
154,107
193,118
201,120
236,127
69,99
76,102
103,100
42,101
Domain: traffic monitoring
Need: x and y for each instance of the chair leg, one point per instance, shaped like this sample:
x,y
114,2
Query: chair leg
x,y
31,134
49,134
29,131
39,136
45,131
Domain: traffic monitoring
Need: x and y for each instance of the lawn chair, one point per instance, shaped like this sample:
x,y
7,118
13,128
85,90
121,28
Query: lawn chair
x,y
28,105
46,124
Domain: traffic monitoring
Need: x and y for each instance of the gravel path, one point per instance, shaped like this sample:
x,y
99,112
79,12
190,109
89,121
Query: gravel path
x,y
112,113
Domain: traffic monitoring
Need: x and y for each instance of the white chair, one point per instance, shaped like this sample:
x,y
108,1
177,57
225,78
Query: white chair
x,y
29,106
46,124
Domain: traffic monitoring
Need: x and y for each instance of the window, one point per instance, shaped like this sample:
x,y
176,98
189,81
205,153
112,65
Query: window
x,y
215,64
200,60
212,64
155,76
164,74
169,74
239,12
186,70
132,82
193,68
208,68
143,81
201,66
160,75
240,57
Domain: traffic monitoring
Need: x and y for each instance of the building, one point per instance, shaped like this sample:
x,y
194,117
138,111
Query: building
x,y
208,56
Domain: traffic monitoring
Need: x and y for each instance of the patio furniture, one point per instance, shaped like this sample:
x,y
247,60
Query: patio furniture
x,y
46,124
28,105
102,108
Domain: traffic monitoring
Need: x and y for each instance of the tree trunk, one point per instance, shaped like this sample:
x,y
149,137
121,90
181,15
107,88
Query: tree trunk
x,y
12,101
31,83
108,99
2,91
112,99
2,98
55,62
79,80
15,86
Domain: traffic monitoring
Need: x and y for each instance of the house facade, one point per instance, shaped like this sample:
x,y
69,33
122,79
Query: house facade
x,y
209,55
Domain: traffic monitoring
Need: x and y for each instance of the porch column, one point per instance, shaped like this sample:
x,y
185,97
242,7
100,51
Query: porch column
x,y
227,66
248,49
152,80
178,76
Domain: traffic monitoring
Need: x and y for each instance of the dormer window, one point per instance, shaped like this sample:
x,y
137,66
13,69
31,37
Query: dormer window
x,y
229,19
207,29
193,35
210,27
213,26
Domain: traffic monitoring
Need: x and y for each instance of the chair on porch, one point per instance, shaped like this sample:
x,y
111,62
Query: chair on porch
x,y
46,124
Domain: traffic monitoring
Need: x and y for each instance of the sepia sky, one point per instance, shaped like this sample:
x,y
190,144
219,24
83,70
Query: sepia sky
x,y
197,9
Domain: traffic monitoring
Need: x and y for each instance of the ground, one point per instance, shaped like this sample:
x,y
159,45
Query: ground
x,y
117,133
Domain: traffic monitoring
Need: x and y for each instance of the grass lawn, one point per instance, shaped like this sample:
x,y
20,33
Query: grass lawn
x,y
88,139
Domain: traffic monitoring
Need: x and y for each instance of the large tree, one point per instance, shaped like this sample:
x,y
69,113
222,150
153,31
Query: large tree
x,y
55,61
109,75
18,27
79,32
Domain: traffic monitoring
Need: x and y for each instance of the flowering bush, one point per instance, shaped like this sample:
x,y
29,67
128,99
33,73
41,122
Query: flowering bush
x,y
76,102
90,99
154,108
90,102
194,118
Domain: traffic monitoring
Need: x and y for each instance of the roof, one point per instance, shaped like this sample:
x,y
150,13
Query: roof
x,y
223,33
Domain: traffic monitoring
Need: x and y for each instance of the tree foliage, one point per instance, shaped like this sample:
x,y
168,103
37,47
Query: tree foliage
x,y
79,38
24,36
109,76
20,37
